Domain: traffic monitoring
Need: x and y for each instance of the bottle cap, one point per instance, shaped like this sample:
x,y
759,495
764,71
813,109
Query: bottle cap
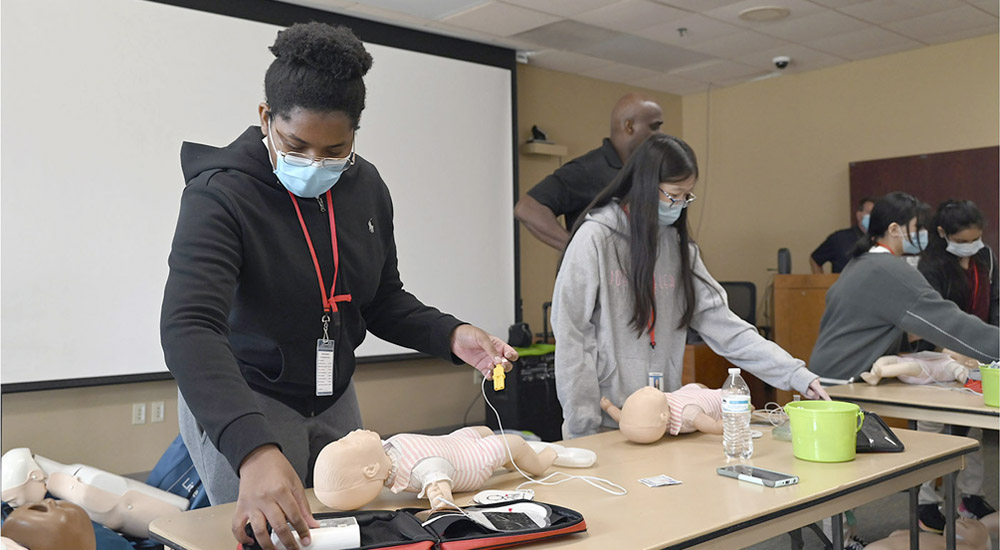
x,y
734,370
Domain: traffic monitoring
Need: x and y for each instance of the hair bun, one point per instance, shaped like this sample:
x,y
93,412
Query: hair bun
x,y
327,48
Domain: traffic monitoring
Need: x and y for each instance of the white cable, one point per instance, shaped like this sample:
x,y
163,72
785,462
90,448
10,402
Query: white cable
x,y
588,479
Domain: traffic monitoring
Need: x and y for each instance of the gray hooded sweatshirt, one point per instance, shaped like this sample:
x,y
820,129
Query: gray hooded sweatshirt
x,y
599,354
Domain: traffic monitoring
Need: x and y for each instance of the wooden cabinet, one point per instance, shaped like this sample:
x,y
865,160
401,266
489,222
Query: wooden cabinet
x,y
799,301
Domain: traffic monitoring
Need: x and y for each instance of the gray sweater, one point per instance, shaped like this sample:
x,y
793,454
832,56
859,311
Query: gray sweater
x,y
877,298
599,354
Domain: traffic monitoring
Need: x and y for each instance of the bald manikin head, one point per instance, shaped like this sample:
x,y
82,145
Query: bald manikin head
x,y
634,118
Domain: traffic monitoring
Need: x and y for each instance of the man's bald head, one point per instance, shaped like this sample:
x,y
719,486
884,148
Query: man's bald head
x,y
634,118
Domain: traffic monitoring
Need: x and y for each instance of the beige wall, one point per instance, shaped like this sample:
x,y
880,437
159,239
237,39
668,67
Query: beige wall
x,y
776,177
576,112
776,172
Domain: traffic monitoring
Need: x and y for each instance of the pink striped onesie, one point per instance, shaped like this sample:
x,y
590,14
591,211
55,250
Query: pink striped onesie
x,y
708,401
474,457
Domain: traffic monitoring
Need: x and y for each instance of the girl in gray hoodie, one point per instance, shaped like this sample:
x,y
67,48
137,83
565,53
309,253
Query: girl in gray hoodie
x,y
630,284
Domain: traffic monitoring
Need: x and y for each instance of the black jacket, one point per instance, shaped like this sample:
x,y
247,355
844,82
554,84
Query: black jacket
x,y
242,307
936,273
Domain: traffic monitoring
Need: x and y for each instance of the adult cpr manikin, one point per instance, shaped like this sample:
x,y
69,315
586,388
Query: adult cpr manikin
x,y
120,503
49,525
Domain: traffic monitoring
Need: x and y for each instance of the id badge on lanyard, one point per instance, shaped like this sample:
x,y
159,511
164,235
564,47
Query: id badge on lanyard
x,y
325,360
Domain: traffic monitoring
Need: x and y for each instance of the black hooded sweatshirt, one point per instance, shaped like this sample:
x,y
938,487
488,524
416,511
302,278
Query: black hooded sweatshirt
x,y
242,307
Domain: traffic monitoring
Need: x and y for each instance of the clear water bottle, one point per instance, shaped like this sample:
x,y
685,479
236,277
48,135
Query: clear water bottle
x,y
736,439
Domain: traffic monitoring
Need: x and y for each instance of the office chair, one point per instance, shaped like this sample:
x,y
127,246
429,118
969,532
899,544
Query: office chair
x,y
742,299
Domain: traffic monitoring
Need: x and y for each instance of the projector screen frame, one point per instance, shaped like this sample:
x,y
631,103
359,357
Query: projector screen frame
x,y
284,14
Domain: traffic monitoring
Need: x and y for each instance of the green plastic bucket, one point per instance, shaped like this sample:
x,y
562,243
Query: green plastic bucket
x,y
824,431
991,386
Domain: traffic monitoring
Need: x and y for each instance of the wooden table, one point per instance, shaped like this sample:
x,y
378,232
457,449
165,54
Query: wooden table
x,y
929,403
705,511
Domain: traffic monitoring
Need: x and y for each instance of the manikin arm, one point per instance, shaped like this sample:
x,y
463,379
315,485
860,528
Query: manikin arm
x,y
614,412
120,503
706,424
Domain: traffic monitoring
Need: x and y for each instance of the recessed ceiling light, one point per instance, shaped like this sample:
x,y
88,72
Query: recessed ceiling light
x,y
764,14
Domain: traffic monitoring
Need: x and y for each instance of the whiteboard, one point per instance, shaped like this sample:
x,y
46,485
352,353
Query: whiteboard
x,y
97,96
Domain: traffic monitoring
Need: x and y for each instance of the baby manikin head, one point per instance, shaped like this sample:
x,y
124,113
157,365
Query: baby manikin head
x,y
645,415
351,471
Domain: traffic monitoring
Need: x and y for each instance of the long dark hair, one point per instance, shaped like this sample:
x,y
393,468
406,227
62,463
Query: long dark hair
x,y
317,67
952,216
661,158
898,208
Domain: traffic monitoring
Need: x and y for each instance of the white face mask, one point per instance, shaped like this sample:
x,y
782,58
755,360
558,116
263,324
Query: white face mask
x,y
965,250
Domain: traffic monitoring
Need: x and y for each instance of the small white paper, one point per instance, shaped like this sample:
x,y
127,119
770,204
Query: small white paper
x,y
659,481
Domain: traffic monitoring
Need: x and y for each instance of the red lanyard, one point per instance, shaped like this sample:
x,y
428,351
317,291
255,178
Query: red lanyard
x,y
886,247
975,288
331,302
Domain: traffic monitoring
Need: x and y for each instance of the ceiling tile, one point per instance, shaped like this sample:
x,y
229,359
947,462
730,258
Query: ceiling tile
x,y
697,6
951,21
564,8
989,6
386,16
499,19
698,29
671,84
962,35
631,15
734,45
566,62
865,43
885,11
812,26
459,32
836,4
731,13
618,72
427,10
802,59
641,52
716,71
567,35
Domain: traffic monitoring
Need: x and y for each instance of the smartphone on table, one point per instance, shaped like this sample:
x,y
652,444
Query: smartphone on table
x,y
760,476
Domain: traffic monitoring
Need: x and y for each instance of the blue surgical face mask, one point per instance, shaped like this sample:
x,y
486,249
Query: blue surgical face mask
x,y
916,243
310,181
865,221
965,250
669,214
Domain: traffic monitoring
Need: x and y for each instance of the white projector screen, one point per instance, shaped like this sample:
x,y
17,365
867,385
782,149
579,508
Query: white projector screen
x,y
97,97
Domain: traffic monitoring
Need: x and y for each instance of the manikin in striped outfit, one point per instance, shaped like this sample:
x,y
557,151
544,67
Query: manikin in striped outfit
x,y
648,412
351,471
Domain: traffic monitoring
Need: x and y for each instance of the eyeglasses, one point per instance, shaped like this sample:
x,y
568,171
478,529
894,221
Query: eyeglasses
x,y
683,202
330,163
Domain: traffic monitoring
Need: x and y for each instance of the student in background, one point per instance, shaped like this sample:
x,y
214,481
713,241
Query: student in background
x,y
632,282
282,258
836,249
878,298
963,270
570,189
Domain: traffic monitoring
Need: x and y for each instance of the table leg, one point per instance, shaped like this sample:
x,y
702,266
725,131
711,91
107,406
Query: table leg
x,y
914,521
837,535
949,507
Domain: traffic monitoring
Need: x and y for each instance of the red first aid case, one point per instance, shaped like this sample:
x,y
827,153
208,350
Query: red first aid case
x,y
451,530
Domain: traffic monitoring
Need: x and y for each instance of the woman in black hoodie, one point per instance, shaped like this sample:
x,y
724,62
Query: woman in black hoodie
x,y
282,258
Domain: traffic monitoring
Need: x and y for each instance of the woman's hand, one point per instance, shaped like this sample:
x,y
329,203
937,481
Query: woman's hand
x,y
816,391
481,350
271,493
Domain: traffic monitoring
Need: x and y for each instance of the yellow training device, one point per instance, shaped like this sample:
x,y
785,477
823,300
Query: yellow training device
x,y
498,376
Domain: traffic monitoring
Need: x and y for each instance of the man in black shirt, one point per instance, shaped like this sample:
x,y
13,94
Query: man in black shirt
x,y
837,248
569,190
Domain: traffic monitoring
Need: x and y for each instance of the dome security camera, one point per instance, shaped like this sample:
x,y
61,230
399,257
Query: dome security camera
x,y
781,62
